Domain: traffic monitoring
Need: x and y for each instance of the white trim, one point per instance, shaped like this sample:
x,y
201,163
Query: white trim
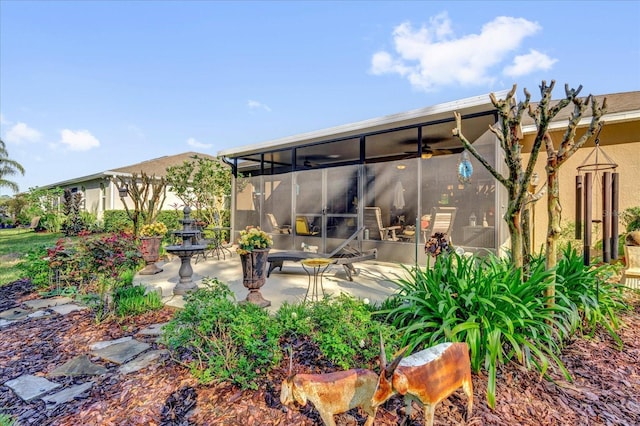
x,y
360,126
617,117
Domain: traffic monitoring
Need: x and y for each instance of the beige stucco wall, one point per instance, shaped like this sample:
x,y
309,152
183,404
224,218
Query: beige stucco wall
x,y
92,191
626,155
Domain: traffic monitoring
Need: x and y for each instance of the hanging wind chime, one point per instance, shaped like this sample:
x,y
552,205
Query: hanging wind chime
x,y
597,185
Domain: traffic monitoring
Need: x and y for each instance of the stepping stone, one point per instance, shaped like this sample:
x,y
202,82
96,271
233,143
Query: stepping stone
x,y
66,395
39,314
142,361
29,387
153,330
79,366
14,314
68,308
122,352
104,343
47,303
4,322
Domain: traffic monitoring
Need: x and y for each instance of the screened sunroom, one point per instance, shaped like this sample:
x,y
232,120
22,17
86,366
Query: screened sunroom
x,y
387,183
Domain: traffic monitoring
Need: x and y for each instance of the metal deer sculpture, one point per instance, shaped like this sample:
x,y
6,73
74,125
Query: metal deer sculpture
x,y
331,393
429,376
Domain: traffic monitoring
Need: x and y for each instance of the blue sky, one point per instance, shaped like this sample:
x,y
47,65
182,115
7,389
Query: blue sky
x,y
90,86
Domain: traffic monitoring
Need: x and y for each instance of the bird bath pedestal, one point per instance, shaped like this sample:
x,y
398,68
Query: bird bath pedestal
x,y
185,283
189,235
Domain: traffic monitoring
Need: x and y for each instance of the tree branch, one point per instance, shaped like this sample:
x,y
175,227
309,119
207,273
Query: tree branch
x,y
457,131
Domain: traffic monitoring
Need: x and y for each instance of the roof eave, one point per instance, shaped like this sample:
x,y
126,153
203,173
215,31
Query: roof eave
x,y
101,175
617,117
360,126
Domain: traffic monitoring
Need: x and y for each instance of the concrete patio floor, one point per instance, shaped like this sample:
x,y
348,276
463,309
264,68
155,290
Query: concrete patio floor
x,y
375,280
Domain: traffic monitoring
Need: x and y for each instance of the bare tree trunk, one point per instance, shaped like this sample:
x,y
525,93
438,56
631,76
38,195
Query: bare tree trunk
x,y
553,229
555,159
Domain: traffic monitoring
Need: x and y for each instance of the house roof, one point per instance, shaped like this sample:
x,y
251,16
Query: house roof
x,y
621,121
157,166
472,105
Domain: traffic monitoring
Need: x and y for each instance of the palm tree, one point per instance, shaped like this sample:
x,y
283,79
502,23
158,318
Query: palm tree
x,y
8,167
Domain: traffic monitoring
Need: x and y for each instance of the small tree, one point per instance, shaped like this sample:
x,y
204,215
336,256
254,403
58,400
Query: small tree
x,y
71,201
203,183
509,135
518,181
147,195
555,159
44,202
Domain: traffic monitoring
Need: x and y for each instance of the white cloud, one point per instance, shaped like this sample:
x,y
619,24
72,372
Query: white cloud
x,y
194,143
20,133
78,140
258,105
526,64
431,56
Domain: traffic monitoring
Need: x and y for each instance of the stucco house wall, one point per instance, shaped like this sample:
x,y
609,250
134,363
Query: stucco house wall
x,y
100,190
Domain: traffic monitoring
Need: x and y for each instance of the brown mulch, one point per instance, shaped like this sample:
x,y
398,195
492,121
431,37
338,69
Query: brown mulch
x,y
605,388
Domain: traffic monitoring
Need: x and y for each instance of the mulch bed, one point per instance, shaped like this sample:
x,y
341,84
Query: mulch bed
x,y
605,388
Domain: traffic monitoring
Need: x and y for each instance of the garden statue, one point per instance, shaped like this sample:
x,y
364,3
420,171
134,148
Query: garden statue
x,y
430,376
331,393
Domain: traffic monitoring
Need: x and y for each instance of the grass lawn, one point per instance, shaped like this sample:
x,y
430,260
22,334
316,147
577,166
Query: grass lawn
x,y
14,244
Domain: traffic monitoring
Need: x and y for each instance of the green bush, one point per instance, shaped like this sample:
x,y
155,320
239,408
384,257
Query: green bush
x,y
221,340
346,334
631,219
108,254
116,221
170,218
36,266
6,420
484,303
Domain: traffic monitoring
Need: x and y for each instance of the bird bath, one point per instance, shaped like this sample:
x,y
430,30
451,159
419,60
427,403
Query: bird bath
x,y
189,247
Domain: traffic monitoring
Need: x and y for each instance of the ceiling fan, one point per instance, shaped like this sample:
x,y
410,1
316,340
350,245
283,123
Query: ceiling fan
x,y
437,145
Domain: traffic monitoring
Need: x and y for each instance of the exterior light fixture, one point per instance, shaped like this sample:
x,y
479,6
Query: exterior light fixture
x,y
123,191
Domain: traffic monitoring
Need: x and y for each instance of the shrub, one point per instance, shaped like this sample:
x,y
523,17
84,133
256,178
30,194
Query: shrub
x,y
170,218
588,293
631,219
346,334
109,254
485,304
220,340
36,266
117,221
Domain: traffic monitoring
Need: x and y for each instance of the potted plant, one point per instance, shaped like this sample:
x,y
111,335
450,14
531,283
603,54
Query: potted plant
x,y
253,246
150,238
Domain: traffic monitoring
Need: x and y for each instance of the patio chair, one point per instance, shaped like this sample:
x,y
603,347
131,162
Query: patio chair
x,y
271,220
303,228
441,221
373,221
344,255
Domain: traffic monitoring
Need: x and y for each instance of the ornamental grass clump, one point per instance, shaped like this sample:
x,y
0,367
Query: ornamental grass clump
x,y
156,229
253,238
484,303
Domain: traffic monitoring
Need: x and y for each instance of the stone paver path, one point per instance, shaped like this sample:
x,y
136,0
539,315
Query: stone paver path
x,y
130,354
